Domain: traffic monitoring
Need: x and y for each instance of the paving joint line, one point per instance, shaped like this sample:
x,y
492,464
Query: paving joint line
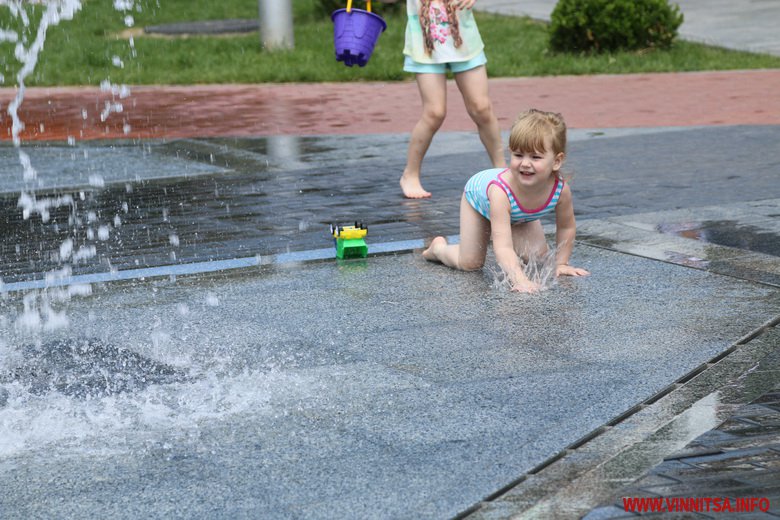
x,y
608,426
195,268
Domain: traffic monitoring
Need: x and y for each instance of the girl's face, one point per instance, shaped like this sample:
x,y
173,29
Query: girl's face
x,y
533,168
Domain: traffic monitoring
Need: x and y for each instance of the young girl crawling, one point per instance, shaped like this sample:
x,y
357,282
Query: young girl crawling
x,y
504,205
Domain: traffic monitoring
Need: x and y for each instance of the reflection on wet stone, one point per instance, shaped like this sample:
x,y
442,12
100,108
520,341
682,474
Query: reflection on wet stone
x,y
230,199
727,233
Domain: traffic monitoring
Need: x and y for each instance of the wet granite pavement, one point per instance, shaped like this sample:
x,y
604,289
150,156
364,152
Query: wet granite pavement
x,y
346,390
333,390
238,197
353,372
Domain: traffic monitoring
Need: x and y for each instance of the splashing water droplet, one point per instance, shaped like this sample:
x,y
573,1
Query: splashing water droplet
x,y
539,270
103,233
96,180
66,248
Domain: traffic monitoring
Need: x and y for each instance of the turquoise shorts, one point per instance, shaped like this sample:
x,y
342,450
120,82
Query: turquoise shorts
x,y
441,68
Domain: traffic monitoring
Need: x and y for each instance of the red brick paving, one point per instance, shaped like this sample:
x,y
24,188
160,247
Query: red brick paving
x,y
602,101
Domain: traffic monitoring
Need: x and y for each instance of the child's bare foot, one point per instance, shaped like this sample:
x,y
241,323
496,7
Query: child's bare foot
x,y
413,189
430,253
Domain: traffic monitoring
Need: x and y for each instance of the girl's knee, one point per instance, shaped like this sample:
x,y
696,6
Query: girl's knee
x,y
473,264
533,253
481,111
529,240
530,248
435,115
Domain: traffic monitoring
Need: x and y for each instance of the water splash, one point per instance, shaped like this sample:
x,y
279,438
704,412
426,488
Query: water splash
x,y
64,390
538,269
157,411
39,306
88,368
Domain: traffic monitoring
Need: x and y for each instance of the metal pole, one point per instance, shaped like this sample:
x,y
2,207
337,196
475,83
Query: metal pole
x,y
276,24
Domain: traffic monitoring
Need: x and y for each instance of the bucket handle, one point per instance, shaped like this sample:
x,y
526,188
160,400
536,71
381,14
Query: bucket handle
x,y
368,5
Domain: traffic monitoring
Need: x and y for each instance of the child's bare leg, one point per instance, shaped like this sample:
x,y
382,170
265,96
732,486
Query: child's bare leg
x,y
435,250
473,86
529,240
469,254
433,91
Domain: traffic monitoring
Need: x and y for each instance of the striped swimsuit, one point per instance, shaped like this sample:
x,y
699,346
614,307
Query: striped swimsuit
x,y
476,192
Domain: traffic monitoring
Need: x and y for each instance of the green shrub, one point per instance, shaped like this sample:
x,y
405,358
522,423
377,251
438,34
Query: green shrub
x,y
611,25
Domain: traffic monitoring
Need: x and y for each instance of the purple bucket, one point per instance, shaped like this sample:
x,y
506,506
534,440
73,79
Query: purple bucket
x,y
355,33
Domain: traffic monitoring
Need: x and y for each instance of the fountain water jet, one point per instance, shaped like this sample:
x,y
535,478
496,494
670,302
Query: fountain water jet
x,y
39,306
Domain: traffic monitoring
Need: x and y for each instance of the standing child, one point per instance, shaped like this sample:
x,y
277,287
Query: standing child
x,y
494,206
442,35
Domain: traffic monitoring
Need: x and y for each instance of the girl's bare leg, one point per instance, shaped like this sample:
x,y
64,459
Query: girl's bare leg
x,y
469,255
529,240
433,92
473,86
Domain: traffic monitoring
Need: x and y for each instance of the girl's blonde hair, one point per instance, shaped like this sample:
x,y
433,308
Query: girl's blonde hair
x,y
532,128
425,23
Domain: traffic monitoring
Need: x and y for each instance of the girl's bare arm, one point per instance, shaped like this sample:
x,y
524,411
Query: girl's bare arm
x,y
503,246
565,232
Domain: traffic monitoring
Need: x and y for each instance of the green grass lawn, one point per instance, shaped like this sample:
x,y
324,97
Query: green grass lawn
x,y
81,51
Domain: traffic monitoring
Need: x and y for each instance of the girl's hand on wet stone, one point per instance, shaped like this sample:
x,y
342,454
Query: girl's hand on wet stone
x,y
567,270
526,286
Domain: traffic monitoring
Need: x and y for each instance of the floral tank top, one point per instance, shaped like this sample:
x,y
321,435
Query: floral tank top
x,y
444,50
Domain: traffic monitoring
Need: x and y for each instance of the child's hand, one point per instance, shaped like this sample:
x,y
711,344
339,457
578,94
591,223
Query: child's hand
x,y
466,4
525,286
567,270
